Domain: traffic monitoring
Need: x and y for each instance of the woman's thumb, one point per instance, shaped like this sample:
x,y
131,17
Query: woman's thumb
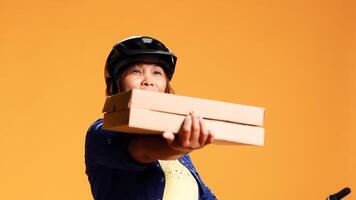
x,y
169,136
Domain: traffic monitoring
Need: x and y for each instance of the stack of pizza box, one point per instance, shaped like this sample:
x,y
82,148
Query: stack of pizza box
x,y
146,112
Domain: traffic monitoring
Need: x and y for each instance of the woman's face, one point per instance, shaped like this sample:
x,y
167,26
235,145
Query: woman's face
x,y
143,76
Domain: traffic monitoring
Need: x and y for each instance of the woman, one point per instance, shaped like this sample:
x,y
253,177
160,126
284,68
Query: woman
x,y
132,166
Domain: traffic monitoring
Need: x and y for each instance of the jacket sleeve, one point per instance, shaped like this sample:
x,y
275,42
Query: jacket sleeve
x,y
109,149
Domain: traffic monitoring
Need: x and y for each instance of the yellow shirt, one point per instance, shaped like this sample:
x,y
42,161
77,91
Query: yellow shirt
x,y
180,183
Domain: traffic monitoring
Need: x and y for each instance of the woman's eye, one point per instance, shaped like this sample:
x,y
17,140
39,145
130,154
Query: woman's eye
x,y
136,71
157,73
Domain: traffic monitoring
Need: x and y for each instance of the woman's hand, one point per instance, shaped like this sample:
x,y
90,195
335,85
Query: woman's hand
x,y
193,135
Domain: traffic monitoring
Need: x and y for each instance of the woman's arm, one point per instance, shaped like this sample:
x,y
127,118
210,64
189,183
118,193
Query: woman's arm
x,y
109,149
193,135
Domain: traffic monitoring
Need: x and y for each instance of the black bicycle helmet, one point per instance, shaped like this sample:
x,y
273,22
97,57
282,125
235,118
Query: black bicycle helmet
x,y
133,50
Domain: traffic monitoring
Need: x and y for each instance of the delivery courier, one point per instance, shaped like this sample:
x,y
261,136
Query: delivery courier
x,y
140,150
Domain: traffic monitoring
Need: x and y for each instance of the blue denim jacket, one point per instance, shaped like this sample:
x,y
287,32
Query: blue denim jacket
x,y
113,174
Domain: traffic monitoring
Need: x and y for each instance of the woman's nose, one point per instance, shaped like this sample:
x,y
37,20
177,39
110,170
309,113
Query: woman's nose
x,y
147,81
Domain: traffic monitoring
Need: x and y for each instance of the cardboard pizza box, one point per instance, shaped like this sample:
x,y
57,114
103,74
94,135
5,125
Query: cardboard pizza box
x,y
143,121
182,105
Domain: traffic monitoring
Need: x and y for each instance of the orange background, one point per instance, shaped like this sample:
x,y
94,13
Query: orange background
x,y
295,58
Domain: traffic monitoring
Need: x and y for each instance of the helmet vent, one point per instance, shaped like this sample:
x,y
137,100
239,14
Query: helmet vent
x,y
147,40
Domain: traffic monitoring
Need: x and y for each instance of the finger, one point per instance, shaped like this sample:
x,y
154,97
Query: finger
x,y
211,138
184,133
169,137
204,133
195,131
